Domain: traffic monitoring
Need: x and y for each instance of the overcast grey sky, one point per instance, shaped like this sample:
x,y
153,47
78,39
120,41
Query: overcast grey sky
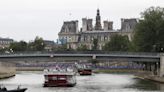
x,y
26,19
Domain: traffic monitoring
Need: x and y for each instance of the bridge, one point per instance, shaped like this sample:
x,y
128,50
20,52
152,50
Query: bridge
x,y
151,61
141,57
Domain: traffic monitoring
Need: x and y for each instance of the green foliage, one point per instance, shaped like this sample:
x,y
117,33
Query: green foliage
x,y
62,48
149,32
82,48
39,44
18,46
95,44
117,43
132,47
94,61
2,50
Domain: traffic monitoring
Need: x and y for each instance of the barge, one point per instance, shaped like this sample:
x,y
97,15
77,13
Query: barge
x,y
4,89
59,78
84,69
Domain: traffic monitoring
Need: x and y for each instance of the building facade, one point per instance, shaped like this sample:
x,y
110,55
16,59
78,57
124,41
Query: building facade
x,y
70,35
49,45
5,42
128,25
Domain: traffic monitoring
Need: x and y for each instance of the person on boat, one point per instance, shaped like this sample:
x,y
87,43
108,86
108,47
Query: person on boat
x,y
18,87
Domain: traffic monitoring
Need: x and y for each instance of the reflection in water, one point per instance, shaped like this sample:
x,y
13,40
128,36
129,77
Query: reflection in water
x,y
95,83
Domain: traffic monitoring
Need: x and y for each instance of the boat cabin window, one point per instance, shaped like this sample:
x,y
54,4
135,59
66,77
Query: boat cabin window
x,y
62,78
54,78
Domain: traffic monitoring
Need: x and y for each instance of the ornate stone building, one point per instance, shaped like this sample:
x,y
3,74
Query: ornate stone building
x,y
87,25
49,45
5,42
74,38
98,21
127,25
69,34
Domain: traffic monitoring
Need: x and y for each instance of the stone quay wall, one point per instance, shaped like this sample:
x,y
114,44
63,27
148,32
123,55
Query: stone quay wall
x,y
7,70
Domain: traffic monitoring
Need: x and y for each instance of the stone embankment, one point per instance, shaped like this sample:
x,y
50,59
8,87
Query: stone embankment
x,y
149,76
6,75
7,70
30,68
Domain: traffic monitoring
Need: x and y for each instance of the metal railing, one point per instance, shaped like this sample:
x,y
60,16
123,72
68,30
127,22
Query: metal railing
x,y
82,52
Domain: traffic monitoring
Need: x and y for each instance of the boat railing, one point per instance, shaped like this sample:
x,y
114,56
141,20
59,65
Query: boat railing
x,y
54,71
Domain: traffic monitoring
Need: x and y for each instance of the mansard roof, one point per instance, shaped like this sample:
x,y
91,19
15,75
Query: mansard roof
x,y
69,27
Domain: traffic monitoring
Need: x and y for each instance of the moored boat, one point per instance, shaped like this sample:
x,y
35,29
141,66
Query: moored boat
x,y
13,90
84,69
59,78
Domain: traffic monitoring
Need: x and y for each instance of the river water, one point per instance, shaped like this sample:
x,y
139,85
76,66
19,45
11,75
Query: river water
x,y
95,83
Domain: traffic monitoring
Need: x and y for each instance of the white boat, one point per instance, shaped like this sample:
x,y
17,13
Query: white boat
x,y
56,77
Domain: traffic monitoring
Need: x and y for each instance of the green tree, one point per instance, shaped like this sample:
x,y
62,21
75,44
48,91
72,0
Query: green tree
x,y
149,32
39,44
2,50
18,46
62,48
117,43
82,48
95,44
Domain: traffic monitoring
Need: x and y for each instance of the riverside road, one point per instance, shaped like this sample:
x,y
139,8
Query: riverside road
x,y
95,83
